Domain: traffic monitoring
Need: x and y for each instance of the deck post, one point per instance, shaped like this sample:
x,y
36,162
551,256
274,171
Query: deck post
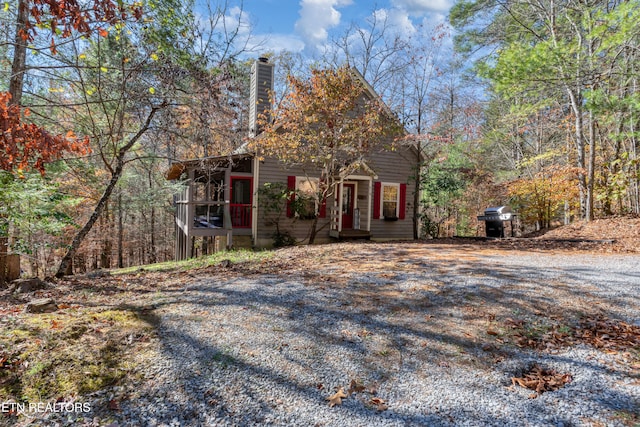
x,y
227,224
341,189
369,204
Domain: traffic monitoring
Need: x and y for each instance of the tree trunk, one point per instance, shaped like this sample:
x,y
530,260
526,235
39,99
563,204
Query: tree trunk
x,y
314,230
18,67
120,232
117,173
152,232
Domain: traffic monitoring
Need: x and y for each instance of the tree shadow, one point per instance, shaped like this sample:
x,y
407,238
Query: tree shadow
x,y
227,345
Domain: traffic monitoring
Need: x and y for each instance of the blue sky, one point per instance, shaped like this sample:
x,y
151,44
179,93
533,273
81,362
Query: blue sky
x,y
307,25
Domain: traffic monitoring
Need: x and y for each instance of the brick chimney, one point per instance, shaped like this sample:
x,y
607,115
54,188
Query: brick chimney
x,y
261,89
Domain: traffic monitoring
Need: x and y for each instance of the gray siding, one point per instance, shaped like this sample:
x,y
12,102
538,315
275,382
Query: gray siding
x,y
390,166
395,167
272,170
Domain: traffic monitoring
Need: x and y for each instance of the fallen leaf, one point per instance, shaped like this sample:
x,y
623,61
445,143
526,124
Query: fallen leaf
x,y
355,387
336,399
380,404
373,388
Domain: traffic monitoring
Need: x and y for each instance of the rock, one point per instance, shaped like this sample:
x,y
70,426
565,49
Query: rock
x,y
43,305
98,274
23,286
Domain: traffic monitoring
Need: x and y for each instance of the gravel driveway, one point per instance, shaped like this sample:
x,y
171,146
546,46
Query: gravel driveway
x,y
415,334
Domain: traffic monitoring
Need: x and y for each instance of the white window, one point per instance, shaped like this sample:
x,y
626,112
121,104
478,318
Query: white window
x,y
307,189
390,200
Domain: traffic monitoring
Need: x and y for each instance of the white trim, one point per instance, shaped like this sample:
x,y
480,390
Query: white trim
x,y
389,184
370,203
256,187
357,178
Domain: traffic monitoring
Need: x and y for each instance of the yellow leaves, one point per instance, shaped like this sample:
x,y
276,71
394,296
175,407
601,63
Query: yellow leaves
x,y
104,69
152,90
154,56
6,7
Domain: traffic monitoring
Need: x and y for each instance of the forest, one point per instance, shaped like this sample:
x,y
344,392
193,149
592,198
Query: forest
x,y
532,104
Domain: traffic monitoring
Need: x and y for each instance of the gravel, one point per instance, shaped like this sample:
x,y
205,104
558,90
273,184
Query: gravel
x,y
269,349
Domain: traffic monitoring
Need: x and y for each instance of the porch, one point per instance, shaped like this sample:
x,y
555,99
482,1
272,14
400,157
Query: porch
x,y
350,215
214,206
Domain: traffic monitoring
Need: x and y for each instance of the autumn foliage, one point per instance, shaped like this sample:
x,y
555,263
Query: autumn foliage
x,y
327,121
72,15
26,146
540,198
329,125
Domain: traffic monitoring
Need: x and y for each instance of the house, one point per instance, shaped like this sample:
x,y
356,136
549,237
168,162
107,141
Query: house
x,y
221,204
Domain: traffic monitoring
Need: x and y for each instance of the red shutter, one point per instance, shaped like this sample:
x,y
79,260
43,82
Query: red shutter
x,y
291,186
322,211
377,187
403,201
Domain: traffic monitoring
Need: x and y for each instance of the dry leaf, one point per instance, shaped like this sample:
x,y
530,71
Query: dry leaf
x,y
373,388
355,387
380,404
541,380
336,399
491,332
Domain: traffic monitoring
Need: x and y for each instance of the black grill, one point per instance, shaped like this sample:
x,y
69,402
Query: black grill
x,y
494,218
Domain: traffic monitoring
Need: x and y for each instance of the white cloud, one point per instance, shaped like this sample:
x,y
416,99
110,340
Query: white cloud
x,y
421,7
316,18
238,18
397,19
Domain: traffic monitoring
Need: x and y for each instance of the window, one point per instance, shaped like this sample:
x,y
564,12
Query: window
x,y
307,189
208,186
390,200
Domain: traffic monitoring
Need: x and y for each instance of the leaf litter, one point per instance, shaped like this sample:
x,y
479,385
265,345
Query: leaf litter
x,y
541,380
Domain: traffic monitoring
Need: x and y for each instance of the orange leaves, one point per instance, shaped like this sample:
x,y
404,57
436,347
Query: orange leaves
x,y
331,116
26,146
72,15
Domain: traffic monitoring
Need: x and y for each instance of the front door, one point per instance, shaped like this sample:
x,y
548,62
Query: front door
x,y
240,208
348,192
